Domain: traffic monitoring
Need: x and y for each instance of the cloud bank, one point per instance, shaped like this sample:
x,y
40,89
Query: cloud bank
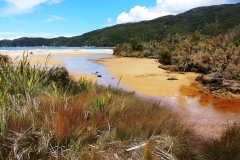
x,y
15,7
162,8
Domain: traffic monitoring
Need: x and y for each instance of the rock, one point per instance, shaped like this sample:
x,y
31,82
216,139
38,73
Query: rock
x,y
198,78
206,79
99,76
172,78
214,88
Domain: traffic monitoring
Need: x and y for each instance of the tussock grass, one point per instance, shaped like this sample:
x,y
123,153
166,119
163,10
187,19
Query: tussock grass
x,y
227,147
41,118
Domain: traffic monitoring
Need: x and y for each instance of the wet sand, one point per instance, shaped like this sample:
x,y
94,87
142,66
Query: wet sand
x,y
144,76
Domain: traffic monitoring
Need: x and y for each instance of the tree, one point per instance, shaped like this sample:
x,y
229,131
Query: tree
x,y
136,45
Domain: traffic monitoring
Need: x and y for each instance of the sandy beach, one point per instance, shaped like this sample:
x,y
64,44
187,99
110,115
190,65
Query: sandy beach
x,y
144,76
39,56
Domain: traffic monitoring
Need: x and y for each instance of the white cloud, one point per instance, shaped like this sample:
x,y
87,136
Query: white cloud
x,y
52,18
15,7
109,20
54,1
18,37
162,8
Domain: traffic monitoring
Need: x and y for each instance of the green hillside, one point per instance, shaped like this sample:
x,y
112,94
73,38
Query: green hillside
x,y
202,19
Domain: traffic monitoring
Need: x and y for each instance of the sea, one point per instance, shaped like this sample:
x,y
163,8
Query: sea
x,y
55,48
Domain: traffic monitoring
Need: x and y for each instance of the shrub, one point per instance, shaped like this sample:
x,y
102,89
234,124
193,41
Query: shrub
x,y
165,57
231,71
59,75
232,34
136,45
5,59
237,43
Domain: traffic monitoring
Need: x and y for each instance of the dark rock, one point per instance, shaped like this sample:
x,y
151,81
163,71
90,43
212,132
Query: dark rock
x,y
198,78
99,76
172,78
214,88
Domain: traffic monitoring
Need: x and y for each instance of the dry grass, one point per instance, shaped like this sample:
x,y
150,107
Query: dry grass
x,y
227,147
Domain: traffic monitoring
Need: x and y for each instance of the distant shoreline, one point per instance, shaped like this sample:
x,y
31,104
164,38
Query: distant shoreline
x,y
54,48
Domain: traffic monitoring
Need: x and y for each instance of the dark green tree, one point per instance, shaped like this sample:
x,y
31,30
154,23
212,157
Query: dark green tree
x,y
136,44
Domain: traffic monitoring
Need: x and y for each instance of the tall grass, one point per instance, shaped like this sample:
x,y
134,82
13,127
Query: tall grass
x,y
227,147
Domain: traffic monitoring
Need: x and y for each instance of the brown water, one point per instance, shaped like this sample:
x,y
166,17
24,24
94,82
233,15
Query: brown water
x,y
209,116
224,105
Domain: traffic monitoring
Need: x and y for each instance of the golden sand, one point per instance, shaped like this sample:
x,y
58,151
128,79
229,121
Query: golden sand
x,y
144,76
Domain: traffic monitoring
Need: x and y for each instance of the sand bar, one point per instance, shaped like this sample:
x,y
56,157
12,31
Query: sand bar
x,y
144,76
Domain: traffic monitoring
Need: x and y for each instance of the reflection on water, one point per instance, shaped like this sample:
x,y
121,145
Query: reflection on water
x,y
85,65
208,115
223,105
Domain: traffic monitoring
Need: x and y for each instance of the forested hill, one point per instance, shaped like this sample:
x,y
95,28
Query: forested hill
x,y
206,20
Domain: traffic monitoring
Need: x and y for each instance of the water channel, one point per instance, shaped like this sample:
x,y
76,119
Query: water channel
x,y
198,110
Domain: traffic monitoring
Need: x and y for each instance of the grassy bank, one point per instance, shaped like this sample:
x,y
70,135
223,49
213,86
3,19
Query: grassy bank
x,y
46,115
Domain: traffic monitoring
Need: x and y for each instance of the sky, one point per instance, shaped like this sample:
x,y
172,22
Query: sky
x,y
55,18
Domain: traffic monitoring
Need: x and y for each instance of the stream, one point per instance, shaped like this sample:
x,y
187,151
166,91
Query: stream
x,y
198,110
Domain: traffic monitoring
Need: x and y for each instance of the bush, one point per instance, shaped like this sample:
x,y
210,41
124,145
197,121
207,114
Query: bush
x,y
136,45
237,43
59,75
232,34
5,59
165,57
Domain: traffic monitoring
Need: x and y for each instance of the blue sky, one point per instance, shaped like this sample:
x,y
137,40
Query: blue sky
x,y
54,18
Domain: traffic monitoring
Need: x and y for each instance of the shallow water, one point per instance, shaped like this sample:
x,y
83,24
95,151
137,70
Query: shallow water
x,y
54,48
86,65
